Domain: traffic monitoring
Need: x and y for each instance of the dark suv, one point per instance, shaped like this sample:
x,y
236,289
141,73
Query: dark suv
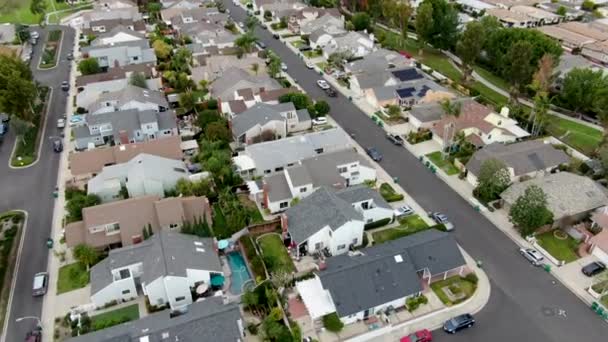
x,y
458,323
594,268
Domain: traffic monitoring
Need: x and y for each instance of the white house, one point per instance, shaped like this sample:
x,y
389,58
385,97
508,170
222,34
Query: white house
x,y
119,34
145,174
166,268
130,97
89,93
357,43
333,220
338,170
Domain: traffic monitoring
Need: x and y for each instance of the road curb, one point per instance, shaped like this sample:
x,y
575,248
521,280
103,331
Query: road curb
x,y
58,53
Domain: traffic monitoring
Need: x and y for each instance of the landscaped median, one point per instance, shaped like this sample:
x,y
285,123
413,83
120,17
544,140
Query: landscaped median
x,y
11,224
26,144
51,50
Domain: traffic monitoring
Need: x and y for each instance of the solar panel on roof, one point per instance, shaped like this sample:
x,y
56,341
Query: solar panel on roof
x,y
423,91
407,74
405,92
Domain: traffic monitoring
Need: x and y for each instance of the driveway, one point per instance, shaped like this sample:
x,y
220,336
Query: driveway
x,y
31,189
526,304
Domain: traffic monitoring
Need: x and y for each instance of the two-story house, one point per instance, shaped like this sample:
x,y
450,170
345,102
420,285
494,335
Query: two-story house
x,y
120,54
91,92
356,43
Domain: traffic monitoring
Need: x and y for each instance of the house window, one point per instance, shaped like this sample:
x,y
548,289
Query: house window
x,y
173,225
341,247
353,166
266,171
179,299
303,189
370,220
354,174
290,164
283,205
342,169
135,58
278,169
355,241
365,205
318,245
319,150
124,273
112,228
126,292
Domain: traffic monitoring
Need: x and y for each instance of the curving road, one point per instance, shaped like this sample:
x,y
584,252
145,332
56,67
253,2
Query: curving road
x,y
31,189
526,304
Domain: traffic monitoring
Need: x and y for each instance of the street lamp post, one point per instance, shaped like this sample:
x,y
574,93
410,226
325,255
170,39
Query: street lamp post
x,y
30,317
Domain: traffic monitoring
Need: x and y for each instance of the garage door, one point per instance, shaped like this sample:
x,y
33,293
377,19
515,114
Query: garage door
x,y
603,256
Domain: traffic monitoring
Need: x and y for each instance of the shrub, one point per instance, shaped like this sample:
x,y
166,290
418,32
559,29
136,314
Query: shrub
x,y
332,322
212,104
414,303
377,224
455,289
388,193
471,277
252,328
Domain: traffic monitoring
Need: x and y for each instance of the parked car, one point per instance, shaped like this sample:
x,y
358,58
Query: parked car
x,y
395,139
423,335
261,45
442,219
65,86
276,36
459,322
35,34
533,256
33,41
404,210
310,65
593,268
320,120
41,283
331,92
374,154
60,123
70,56
323,84
283,66
34,335
304,48
57,146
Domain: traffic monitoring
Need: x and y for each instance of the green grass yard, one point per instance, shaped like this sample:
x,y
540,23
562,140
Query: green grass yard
x,y
494,79
560,249
408,225
18,11
313,54
444,164
297,43
275,254
71,277
579,136
458,285
115,317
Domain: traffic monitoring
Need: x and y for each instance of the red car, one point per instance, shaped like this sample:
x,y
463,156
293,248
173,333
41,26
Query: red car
x,y
405,54
419,336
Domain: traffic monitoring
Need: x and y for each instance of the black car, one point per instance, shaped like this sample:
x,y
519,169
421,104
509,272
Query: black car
x,y
458,323
374,154
395,139
70,56
331,92
276,36
57,146
261,45
593,268
65,86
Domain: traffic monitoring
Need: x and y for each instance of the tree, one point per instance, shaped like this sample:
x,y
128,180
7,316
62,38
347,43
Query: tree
x,y
517,66
255,67
469,46
187,187
337,59
154,9
439,23
332,322
188,101
561,10
424,24
38,7
581,87
267,15
322,108
18,91
161,49
299,100
138,79
492,180
217,130
402,16
543,77
20,127
274,64
245,41
529,212
78,202
206,117
388,8
588,5
393,111
178,80
181,60
89,66
22,32
451,108
361,21
85,254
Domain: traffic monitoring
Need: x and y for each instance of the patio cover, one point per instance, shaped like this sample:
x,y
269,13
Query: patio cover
x,y
317,300
189,145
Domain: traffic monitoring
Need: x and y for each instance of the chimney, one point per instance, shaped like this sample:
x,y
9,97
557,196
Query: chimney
x,y
504,111
123,137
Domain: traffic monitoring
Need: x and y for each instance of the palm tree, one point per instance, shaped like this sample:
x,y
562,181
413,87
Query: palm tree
x,y
451,108
246,41
85,254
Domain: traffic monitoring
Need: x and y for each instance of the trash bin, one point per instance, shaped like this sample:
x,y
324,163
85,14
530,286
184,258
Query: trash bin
x,y
547,267
479,263
396,179
594,306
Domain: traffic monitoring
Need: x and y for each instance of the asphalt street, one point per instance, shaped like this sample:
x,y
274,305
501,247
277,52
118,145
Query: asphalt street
x,y
31,189
526,303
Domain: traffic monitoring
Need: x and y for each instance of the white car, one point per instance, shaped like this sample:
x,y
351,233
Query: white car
x,y
309,65
60,123
283,67
323,84
404,210
321,120
241,25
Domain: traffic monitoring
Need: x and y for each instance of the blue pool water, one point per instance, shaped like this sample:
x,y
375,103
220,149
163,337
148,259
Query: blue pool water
x,y
240,273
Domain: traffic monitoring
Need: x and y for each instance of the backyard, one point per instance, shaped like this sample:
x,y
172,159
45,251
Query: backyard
x,y
455,289
407,226
444,164
275,254
579,136
115,317
559,244
71,277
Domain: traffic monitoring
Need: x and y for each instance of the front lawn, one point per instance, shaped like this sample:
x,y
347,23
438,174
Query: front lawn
x,y
561,248
462,288
313,53
297,43
71,277
322,65
389,194
492,78
275,254
408,226
115,317
579,136
444,164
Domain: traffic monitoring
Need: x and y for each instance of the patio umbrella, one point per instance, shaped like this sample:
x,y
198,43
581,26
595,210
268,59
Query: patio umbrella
x,y
223,244
202,288
217,280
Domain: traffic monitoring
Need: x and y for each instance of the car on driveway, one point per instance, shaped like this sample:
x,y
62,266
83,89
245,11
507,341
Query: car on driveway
x,y
323,84
533,256
320,120
459,322
395,139
65,86
404,210
60,123
423,335
330,92
594,268
442,219
374,154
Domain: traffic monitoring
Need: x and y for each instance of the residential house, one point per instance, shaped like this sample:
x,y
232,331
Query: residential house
x,y
167,268
121,223
479,124
124,127
569,196
599,242
177,16
425,116
356,43
278,8
474,7
380,60
208,34
186,4
366,283
569,62
92,162
541,16
145,174
337,170
116,74
115,4
89,19
96,27
568,39
117,35
215,66
7,33
512,19
506,4
274,156
320,37
306,22
207,320
250,126
224,87
523,159
120,54
333,220
572,13
246,98
130,97
88,94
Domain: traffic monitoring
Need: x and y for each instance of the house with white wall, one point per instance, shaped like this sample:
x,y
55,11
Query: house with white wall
x,y
166,268
333,220
312,18
337,170
365,283
146,174
356,43
130,97
119,34
90,93
120,54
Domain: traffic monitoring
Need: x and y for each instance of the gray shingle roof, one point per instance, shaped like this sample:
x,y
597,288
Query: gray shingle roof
x,y
127,120
427,112
131,93
237,78
261,114
277,187
208,320
299,175
321,208
360,282
523,157
303,115
359,193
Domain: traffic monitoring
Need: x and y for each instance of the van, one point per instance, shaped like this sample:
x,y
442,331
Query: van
x,y
40,285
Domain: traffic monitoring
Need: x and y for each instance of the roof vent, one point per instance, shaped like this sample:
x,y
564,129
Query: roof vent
x,y
398,258
165,335
201,250
144,338
198,243
121,147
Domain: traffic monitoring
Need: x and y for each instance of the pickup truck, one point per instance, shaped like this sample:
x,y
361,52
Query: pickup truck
x,y
395,139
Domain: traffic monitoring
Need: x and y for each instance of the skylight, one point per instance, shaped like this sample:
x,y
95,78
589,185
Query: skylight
x,y
398,258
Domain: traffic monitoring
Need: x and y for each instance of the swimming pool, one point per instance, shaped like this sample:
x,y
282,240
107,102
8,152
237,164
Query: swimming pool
x,y
240,274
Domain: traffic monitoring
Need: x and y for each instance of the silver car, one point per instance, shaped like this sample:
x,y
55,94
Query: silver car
x,y
41,283
533,256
